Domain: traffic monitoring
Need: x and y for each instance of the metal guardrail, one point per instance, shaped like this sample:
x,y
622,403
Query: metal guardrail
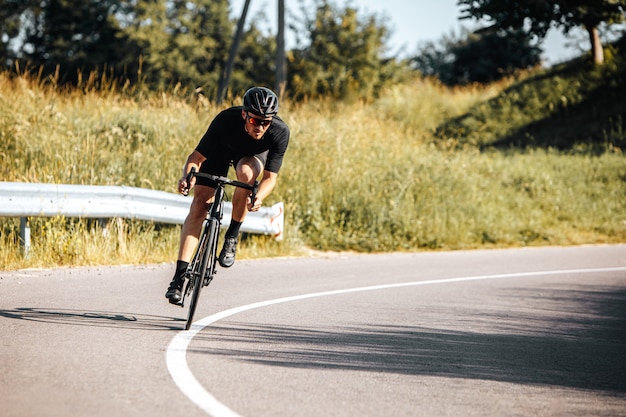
x,y
101,201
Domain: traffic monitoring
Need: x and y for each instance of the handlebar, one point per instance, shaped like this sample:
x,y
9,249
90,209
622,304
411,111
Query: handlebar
x,y
221,181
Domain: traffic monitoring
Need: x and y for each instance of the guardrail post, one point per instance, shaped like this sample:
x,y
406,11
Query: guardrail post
x,y
103,225
25,236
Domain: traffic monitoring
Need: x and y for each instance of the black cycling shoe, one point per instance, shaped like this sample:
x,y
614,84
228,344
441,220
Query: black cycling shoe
x,y
227,255
174,292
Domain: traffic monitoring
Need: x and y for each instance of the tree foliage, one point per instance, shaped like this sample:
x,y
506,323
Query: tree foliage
x,y
255,63
178,41
160,43
11,27
70,33
166,43
343,58
483,56
536,17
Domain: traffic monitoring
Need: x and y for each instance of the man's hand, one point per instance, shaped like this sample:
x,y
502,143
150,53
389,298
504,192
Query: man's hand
x,y
183,187
256,206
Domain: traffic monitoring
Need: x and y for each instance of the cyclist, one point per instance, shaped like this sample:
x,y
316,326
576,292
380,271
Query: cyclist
x,y
253,139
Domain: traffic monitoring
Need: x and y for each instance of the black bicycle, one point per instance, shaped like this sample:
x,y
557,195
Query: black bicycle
x,y
203,265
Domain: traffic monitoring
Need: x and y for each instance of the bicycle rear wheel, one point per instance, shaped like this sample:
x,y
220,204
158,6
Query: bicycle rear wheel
x,y
204,265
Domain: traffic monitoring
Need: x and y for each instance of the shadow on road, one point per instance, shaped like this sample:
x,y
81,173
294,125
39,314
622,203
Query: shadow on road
x,y
94,318
561,337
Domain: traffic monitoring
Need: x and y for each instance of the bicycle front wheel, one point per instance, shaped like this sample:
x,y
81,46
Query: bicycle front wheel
x,y
203,264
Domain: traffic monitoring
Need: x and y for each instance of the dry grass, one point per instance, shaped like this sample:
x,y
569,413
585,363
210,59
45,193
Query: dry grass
x,y
360,177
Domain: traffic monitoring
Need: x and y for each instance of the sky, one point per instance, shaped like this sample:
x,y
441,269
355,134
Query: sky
x,y
412,22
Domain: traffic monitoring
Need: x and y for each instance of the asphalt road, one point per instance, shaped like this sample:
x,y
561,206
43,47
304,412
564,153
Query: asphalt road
x,y
538,332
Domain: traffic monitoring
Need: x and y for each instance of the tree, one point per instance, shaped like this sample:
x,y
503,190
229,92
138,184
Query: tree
x,y
255,63
79,35
536,17
253,58
12,17
488,56
179,41
343,58
227,71
163,43
483,56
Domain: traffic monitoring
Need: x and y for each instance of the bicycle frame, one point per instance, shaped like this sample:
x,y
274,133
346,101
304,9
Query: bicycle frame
x,y
202,268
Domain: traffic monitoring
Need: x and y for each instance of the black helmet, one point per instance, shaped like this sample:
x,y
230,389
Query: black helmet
x,y
260,101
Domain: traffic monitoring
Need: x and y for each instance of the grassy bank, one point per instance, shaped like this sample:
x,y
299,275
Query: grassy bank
x,y
383,176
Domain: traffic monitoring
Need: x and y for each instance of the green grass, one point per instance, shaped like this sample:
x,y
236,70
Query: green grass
x,y
573,108
421,168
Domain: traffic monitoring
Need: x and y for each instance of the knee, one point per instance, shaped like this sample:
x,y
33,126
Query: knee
x,y
248,169
245,173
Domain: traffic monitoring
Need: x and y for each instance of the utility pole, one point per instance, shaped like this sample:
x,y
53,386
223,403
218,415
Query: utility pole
x,y
281,63
225,75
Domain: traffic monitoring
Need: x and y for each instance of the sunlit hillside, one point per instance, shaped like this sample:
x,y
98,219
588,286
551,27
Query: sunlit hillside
x,y
532,161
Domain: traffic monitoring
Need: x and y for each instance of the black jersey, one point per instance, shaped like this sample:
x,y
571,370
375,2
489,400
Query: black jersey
x,y
227,131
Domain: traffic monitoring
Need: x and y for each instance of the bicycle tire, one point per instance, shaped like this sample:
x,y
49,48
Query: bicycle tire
x,y
216,218
212,250
196,274
205,262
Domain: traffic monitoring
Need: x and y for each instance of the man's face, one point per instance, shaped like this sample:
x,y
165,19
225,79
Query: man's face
x,y
256,126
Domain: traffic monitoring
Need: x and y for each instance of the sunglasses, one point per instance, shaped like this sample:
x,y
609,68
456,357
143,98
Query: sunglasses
x,y
254,121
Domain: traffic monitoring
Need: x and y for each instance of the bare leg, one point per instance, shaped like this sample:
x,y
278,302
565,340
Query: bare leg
x,y
248,169
190,232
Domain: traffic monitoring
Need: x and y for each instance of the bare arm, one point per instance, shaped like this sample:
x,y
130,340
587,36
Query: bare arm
x,y
194,160
267,184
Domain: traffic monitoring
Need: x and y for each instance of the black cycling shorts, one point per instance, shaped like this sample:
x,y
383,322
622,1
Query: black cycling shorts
x,y
219,161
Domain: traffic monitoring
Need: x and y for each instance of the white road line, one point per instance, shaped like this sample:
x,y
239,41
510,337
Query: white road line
x,y
189,385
